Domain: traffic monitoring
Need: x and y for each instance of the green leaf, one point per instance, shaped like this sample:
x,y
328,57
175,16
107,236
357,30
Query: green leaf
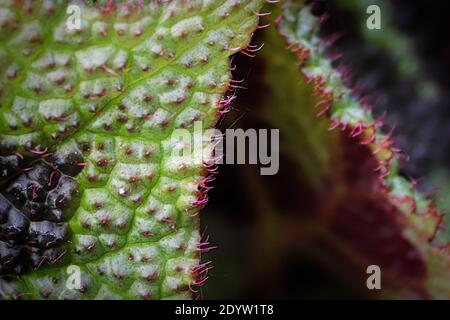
x,y
369,196
112,93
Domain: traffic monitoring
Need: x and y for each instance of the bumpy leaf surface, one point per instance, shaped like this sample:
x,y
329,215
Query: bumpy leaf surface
x,y
89,180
